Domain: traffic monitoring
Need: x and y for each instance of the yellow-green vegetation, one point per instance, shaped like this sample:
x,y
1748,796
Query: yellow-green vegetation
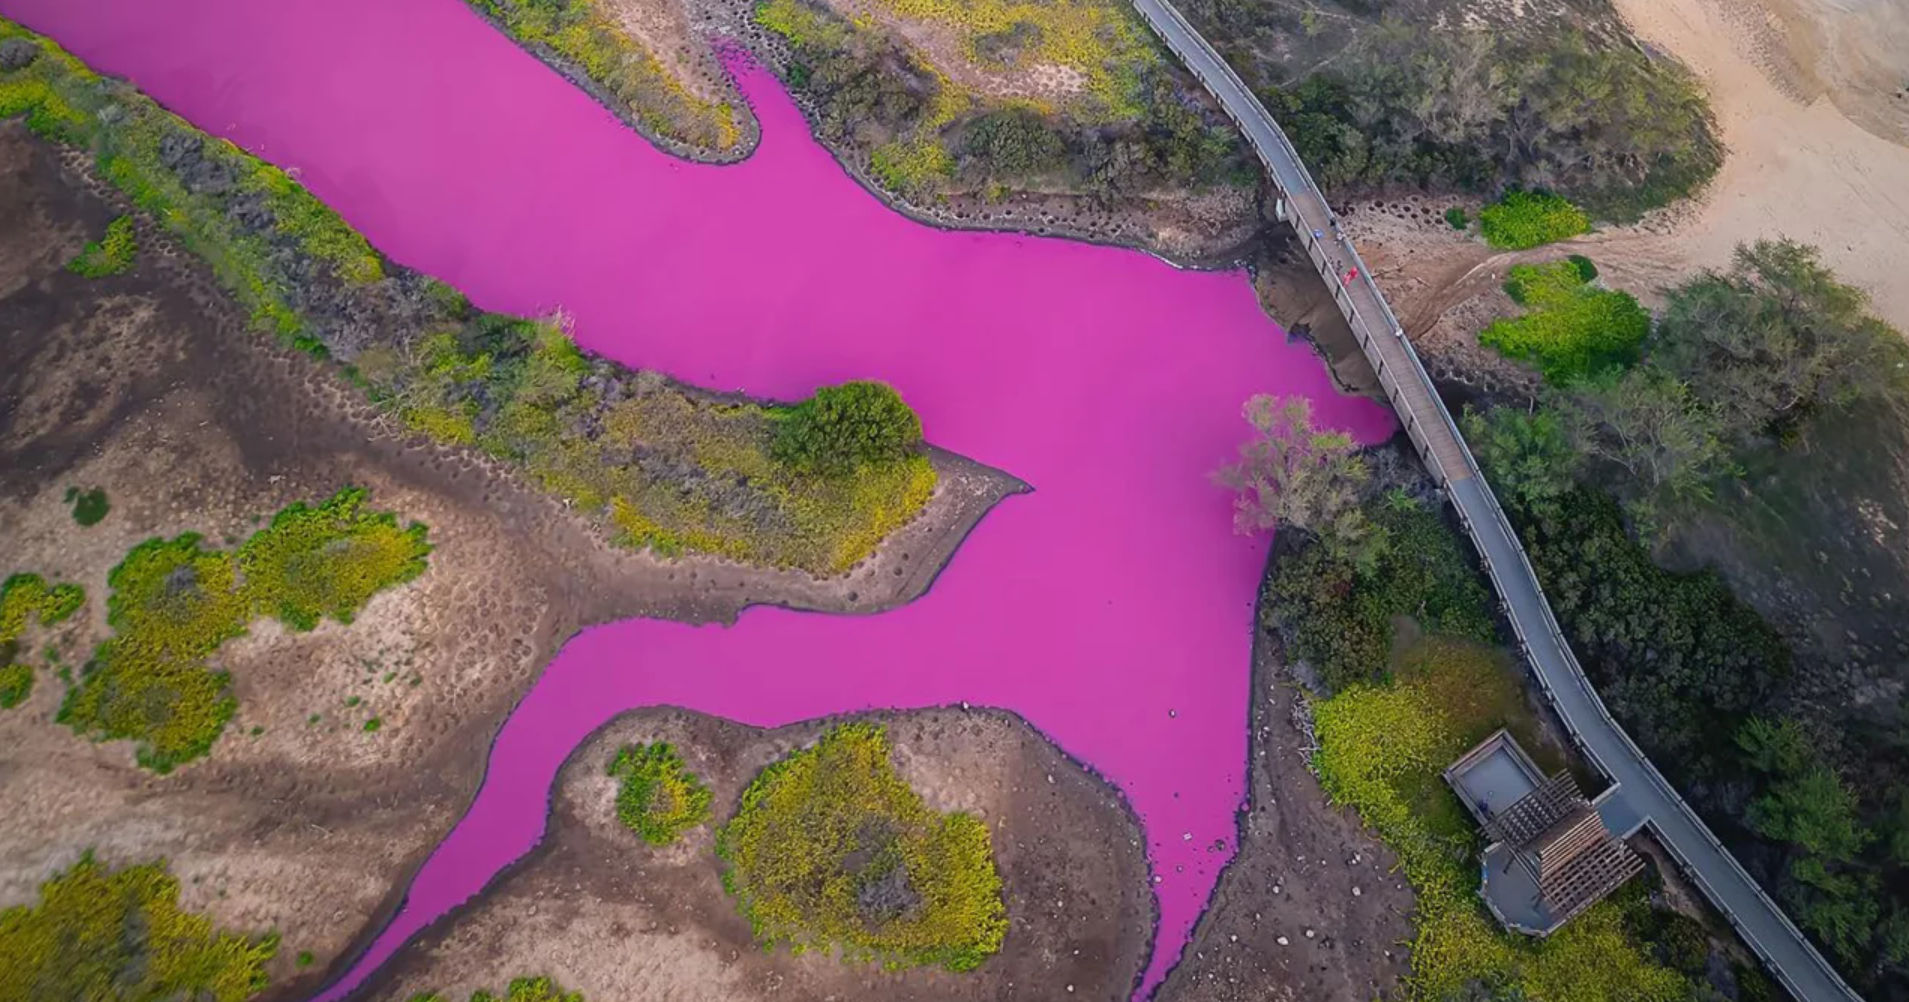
x,y
101,934
1570,329
1130,126
25,598
109,255
667,467
1105,42
657,796
1382,749
582,39
1523,219
174,603
16,684
832,850
330,560
519,990
672,470
170,170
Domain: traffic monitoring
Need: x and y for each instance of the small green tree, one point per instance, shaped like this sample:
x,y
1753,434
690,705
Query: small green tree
x,y
842,427
1814,810
1528,456
1292,474
1523,219
1650,426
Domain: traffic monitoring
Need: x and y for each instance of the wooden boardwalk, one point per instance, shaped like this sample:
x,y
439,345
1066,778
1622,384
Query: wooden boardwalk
x,y
1641,788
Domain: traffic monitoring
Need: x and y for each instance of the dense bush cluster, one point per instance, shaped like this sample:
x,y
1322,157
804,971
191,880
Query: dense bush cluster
x,y
1737,368
583,40
174,603
1675,655
97,933
109,255
1596,121
1133,129
657,796
666,466
312,563
1338,615
832,850
843,428
1523,219
89,506
1570,329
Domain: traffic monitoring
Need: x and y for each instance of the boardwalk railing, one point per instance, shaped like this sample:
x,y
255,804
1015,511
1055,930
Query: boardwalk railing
x,y
1769,932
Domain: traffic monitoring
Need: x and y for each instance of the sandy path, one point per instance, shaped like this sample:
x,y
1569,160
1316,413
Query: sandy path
x,y
1799,170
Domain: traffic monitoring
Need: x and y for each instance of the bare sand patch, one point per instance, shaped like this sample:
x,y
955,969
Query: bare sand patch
x,y
1797,166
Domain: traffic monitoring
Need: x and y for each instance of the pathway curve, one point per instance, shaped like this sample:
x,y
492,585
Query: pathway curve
x,y
1781,945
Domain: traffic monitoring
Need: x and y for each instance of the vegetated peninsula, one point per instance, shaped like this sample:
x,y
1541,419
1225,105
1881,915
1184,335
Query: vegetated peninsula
x,y
665,466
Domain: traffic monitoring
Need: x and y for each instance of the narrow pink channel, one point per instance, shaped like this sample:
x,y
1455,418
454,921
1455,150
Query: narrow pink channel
x,y
1111,608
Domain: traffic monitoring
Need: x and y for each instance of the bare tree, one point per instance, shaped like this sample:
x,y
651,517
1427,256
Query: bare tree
x,y
1293,475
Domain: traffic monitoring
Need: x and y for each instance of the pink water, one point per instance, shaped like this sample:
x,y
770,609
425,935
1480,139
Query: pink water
x,y
1112,608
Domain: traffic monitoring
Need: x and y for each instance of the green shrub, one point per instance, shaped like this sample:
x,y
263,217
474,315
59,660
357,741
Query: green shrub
x,y
1524,219
1570,330
831,849
328,561
25,598
1338,618
1679,659
305,958
1480,110
120,934
174,603
110,255
89,507
842,428
1457,218
1587,271
657,796
16,684
584,36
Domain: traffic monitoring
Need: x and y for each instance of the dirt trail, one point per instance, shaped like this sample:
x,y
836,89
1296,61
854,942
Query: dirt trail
x,y
1798,169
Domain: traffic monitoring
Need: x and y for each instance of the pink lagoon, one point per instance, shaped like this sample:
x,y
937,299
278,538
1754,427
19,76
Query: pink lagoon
x,y
1112,607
